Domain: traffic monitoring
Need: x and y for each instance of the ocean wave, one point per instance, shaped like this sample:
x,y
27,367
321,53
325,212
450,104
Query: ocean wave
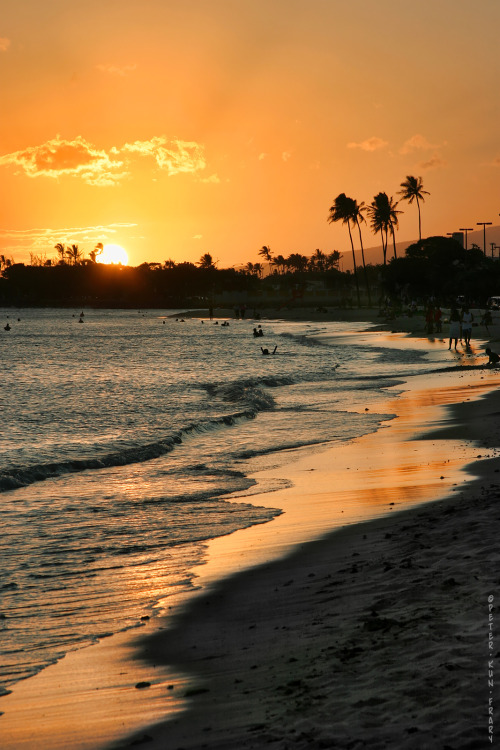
x,y
247,394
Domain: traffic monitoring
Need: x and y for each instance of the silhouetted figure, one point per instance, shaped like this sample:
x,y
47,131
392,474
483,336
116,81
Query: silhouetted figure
x,y
455,325
429,320
467,318
266,351
486,320
493,360
7,327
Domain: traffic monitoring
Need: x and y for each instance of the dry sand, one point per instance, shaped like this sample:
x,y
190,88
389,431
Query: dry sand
x,y
375,636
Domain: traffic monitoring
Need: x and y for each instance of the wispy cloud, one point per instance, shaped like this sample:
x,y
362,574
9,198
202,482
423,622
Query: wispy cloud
x,y
79,158
434,162
173,156
371,144
417,143
60,157
41,240
117,70
4,44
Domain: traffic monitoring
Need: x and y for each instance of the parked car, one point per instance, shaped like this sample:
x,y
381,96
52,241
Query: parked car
x,y
493,303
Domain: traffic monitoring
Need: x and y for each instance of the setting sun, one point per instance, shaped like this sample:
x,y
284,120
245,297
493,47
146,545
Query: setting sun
x,y
113,254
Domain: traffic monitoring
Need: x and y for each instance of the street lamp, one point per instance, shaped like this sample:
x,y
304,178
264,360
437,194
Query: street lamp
x,y
484,224
466,229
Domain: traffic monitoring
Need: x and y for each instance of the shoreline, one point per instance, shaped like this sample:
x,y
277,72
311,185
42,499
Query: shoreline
x,y
290,592
371,636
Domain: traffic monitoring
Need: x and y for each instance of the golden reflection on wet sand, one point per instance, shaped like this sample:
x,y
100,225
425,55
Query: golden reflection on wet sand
x,y
90,699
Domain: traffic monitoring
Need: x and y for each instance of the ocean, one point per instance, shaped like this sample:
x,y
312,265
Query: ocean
x,y
127,442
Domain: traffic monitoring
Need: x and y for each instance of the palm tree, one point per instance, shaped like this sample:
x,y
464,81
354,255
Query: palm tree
x,y
357,217
333,259
74,254
413,191
318,260
342,210
265,252
206,261
280,263
379,215
297,261
393,222
61,251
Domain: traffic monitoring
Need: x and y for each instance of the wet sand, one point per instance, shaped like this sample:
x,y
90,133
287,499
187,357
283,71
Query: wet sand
x,y
374,635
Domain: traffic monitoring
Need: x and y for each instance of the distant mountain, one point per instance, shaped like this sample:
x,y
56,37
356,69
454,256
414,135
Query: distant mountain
x,y
374,255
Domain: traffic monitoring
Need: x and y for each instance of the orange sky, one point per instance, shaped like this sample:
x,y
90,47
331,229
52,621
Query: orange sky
x,y
176,128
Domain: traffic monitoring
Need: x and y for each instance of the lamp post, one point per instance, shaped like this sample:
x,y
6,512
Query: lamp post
x,y
466,229
484,224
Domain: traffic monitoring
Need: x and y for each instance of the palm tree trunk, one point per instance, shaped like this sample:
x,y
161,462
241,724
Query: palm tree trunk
x,y
394,242
364,264
384,246
354,262
419,222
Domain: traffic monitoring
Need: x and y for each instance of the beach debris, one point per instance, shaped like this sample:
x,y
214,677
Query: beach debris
x,y
141,685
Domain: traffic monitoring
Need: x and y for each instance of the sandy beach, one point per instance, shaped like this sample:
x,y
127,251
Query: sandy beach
x,y
380,634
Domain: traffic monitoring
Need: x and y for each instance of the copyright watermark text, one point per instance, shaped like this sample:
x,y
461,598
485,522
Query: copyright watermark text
x,y
491,670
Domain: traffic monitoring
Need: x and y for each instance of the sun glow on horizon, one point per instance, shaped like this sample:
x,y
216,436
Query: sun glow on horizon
x,y
113,254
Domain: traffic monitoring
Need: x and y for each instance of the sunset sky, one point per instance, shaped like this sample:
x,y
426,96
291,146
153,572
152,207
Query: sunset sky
x,y
177,128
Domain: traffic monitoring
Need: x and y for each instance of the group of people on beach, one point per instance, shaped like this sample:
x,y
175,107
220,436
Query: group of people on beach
x,y
460,326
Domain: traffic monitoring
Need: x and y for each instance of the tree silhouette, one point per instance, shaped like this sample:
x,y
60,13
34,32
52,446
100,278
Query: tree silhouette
x,y
74,254
265,252
357,215
99,248
318,260
378,211
412,190
280,263
61,251
342,210
206,261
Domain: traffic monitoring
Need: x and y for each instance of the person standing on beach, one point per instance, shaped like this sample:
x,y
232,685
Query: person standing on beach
x,y
467,318
455,325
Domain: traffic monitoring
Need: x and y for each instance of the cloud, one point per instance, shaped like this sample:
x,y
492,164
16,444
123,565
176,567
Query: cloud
x,y
4,44
60,157
117,70
79,158
417,143
434,162
41,240
371,144
174,156
214,178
